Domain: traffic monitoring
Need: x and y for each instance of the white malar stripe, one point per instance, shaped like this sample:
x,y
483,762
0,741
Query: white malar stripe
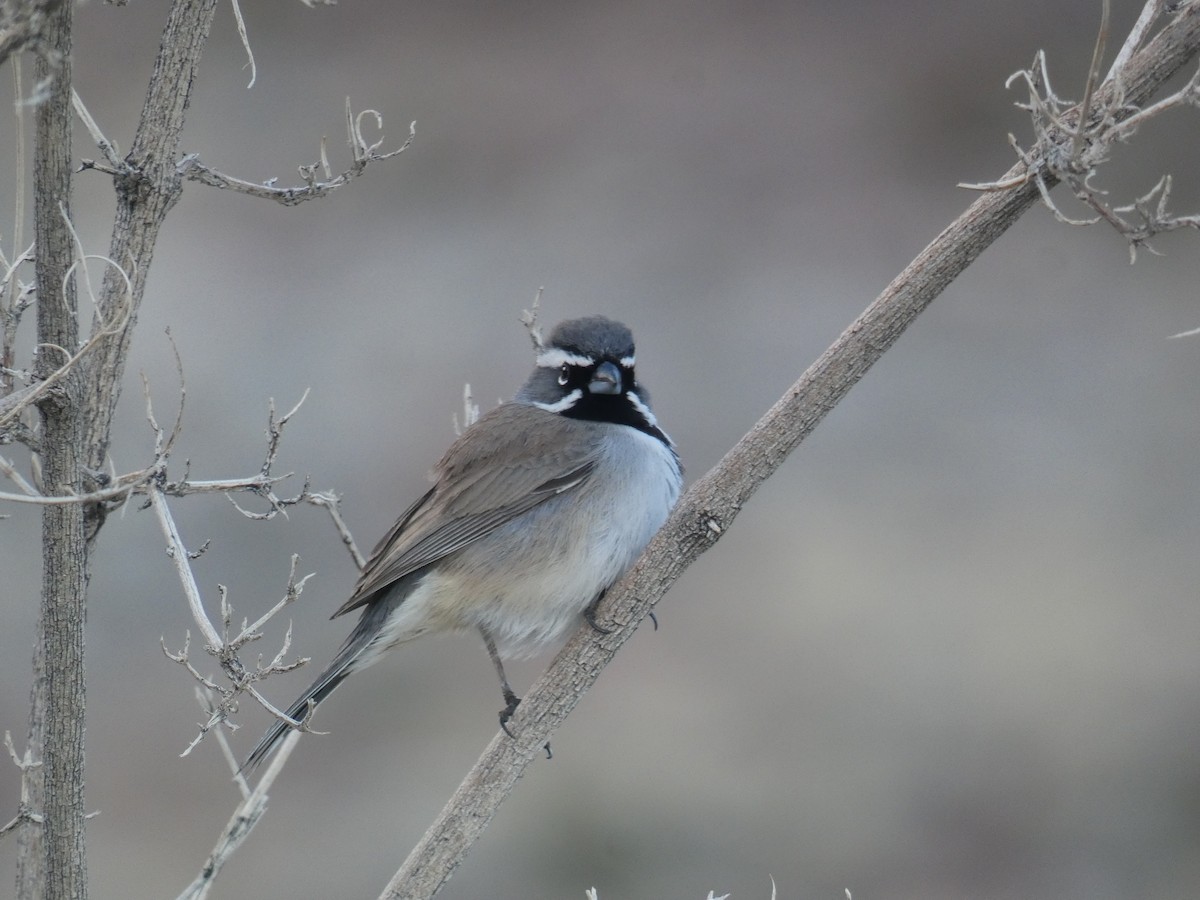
x,y
645,411
562,405
627,362
556,358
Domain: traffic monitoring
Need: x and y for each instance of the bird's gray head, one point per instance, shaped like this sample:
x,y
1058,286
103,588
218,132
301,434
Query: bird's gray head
x,y
586,371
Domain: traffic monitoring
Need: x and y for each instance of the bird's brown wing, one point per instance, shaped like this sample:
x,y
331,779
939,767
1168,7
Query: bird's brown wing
x,y
514,458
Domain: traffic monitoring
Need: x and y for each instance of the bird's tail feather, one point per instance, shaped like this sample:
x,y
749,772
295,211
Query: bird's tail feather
x,y
317,692
343,664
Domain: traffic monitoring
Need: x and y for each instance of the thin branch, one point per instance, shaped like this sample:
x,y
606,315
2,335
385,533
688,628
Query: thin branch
x,y
179,556
261,484
245,38
220,645
364,154
9,471
331,501
204,698
240,824
1073,143
146,187
25,811
1137,36
529,318
107,147
1093,77
12,410
291,594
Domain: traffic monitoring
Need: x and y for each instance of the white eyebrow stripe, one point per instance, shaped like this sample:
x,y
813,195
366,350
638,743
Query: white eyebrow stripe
x,y
562,405
627,361
555,358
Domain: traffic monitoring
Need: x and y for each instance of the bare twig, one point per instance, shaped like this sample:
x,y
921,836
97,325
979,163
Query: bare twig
x,y
107,147
1085,106
253,632
245,38
25,811
9,471
72,360
261,484
240,824
364,154
1135,39
222,646
529,318
330,501
179,556
1073,143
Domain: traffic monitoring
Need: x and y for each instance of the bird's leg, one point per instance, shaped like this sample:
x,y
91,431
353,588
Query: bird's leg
x,y
589,614
510,698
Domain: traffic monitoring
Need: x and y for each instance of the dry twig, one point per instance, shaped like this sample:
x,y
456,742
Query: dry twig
x,y
1073,142
25,810
364,153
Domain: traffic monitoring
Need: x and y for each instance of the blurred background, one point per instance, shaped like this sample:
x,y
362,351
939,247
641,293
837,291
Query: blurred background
x,y
951,650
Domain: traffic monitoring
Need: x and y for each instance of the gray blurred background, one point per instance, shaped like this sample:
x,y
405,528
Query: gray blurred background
x,y
951,650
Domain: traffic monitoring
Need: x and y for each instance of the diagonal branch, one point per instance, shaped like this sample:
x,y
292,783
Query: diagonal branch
x,y
243,820
709,507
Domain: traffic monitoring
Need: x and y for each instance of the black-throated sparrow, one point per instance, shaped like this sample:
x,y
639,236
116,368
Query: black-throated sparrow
x,y
535,511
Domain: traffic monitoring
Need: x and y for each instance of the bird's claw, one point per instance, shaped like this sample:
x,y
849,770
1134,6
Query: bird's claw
x,y
507,713
589,616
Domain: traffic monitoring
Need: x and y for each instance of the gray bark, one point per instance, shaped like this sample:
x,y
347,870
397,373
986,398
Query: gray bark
x,y
55,865
77,414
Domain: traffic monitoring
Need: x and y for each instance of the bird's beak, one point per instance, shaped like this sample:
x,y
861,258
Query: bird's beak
x,y
605,380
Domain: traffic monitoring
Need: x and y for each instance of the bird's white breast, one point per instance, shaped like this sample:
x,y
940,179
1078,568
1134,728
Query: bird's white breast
x,y
528,582
590,537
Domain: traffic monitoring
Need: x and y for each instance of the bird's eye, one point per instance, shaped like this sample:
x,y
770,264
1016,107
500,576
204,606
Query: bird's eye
x,y
564,375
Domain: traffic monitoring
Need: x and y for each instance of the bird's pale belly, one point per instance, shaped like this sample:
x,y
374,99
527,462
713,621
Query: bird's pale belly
x,y
529,581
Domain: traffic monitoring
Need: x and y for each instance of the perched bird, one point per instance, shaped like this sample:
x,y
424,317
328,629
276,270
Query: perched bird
x,y
535,511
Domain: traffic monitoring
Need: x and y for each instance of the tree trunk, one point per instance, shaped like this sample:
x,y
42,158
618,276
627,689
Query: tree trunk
x,y
55,867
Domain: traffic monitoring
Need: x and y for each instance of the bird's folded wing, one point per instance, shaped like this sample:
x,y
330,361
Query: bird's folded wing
x,y
489,476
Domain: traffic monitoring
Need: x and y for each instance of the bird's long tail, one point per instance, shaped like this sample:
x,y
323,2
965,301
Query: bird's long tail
x,y
349,659
317,691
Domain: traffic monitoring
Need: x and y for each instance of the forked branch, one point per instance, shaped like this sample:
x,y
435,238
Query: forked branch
x,y
1072,142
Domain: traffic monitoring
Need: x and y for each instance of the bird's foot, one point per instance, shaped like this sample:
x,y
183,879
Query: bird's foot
x,y
513,702
589,616
507,713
